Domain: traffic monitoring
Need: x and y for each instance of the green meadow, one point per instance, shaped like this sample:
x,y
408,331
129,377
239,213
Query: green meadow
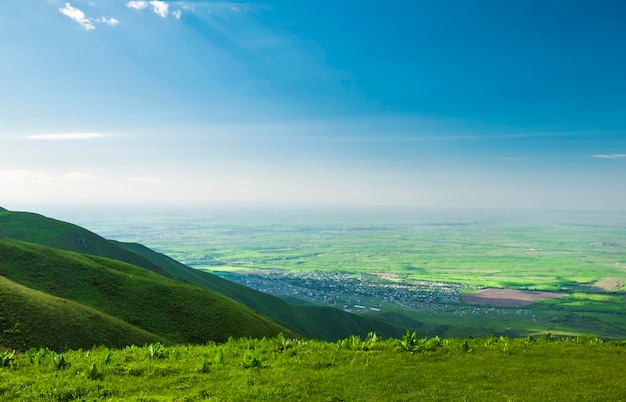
x,y
353,369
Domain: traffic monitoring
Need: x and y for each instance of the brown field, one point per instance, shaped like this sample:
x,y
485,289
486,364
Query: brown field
x,y
508,297
610,284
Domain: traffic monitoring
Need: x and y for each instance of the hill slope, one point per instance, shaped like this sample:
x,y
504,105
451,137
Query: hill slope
x,y
170,309
38,229
315,322
30,318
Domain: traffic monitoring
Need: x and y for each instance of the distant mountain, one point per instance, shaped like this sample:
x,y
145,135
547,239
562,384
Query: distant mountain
x,y
30,318
312,321
167,308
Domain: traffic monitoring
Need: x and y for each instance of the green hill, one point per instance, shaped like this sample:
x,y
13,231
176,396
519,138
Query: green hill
x,y
31,318
167,308
38,229
311,321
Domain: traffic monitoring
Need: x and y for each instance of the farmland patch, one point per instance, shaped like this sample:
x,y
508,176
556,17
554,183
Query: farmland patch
x,y
508,297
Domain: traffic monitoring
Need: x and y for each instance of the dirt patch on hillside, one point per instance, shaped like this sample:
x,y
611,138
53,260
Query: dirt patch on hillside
x,y
609,284
508,297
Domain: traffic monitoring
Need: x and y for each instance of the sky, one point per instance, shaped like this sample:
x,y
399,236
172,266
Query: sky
x,y
426,103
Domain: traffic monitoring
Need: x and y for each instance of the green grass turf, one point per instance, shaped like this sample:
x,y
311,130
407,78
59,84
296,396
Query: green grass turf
x,y
482,369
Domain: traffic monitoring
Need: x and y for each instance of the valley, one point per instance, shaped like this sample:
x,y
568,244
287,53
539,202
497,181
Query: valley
x,y
421,264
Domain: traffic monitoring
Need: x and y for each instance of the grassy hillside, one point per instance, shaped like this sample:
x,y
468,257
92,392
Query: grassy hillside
x,y
170,309
313,321
38,229
31,318
410,369
316,322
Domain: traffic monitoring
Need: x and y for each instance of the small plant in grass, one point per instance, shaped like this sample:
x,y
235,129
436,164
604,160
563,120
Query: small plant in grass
x,y
93,373
36,356
219,356
506,348
371,340
588,339
156,351
352,343
205,366
283,343
409,341
175,354
252,360
106,355
59,362
7,359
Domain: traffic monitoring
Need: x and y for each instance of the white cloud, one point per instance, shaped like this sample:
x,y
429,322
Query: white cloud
x,y
78,16
611,156
160,8
86,22
143,179
32,176
243,182
111,21
137,5
66,137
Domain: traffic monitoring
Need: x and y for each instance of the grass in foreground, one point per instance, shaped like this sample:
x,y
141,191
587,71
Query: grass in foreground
x,y
412,368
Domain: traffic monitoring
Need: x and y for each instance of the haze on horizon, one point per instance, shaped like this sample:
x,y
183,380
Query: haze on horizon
x,y
434,103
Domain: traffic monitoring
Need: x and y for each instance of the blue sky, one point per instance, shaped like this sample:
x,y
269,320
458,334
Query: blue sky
x,y
507,104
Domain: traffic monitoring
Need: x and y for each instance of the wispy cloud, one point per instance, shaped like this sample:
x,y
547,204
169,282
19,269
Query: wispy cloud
x,y
78,16
143,179
66,136
137,5
33,176
610,156
87,23
243,182
111,21
160,8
